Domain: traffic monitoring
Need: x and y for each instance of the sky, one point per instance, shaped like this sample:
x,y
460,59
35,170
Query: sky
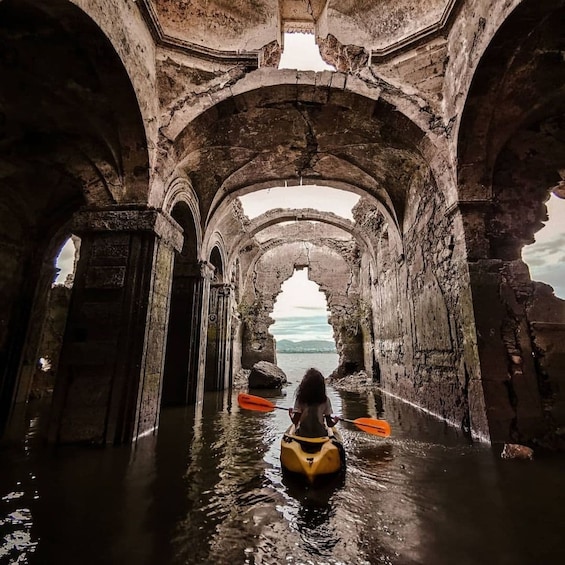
x,y
300,311
324,199
546,257
301,53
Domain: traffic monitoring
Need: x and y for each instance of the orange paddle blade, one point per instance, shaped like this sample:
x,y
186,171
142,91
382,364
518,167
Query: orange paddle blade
x,y
250,402
372,426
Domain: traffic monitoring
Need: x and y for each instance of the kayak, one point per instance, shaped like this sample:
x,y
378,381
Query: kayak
x,y
312,456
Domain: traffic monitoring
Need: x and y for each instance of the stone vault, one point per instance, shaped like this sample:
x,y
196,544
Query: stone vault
x,y
135,127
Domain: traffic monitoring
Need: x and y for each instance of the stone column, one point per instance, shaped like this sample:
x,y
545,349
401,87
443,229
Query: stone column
x,y
257,344
346,321
207,271
495,307
108,386
219,337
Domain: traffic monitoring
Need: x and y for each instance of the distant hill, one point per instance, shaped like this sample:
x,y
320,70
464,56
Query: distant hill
x,y
309,346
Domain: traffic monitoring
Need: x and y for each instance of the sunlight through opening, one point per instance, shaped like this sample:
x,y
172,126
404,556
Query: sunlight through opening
x,y
546,257
320,198
65,263
301,316
301,53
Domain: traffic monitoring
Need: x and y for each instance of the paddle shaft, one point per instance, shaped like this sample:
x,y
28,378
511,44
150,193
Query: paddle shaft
x,y
369,425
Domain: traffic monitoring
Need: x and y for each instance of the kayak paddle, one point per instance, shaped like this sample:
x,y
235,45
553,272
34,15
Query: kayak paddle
x,y
370,425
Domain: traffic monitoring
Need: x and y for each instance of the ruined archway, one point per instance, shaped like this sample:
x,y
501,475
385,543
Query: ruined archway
x,y
511,152
76,139
331,258
218,343
180,375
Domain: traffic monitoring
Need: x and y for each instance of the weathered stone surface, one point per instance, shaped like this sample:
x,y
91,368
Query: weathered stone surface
x,y
445,116
266,375
516,451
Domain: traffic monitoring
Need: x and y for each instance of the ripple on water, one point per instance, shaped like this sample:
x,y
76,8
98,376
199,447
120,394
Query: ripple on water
x,y
215,493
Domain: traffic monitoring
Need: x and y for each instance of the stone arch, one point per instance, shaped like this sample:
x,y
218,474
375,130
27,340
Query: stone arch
x,y
181,369
267,267
218,372
306,86
76,138
282,215
229,218
301,136
180,190
510,154
492,117
217,257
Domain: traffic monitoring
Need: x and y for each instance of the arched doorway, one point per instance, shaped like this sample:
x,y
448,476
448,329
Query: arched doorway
x,y
180,376
76,141
218,370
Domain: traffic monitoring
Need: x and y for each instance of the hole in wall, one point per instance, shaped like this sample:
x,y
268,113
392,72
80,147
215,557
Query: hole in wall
x,y
66,262
300,52
546,257
301,317
320,198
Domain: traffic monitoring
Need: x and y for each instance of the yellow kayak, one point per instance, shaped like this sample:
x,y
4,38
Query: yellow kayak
x,y
312,457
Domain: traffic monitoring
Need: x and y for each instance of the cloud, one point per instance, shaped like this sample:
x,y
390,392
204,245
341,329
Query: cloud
x,y
546,257
302,328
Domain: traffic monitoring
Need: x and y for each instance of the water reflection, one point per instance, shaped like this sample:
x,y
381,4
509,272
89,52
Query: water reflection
x,y
208,489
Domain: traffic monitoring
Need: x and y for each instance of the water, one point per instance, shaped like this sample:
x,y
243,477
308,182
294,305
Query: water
x,y
208,490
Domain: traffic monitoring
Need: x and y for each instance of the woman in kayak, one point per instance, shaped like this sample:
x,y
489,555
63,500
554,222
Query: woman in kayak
x,y
312,410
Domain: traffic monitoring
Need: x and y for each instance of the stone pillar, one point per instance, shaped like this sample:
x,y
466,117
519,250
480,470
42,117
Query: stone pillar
x,y
347,319
183,340
257,344
207,271
218,352
508,372
494,307
108,386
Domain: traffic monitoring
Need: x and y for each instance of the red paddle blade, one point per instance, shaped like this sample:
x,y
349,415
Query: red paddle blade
x,y
373,426
250,402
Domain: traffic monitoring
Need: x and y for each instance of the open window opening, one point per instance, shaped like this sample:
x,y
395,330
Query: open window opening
x,y
320,198
66,261
301,318
56,312
300,52
546,257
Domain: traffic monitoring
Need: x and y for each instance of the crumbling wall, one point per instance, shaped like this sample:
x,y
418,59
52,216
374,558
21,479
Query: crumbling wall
x,y
437,279
415,297
333,265
545,314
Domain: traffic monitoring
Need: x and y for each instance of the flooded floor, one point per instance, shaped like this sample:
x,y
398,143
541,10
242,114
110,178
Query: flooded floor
x,y
209,490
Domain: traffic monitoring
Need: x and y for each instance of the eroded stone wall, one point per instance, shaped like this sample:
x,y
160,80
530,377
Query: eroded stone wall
x,y
333,265
419,318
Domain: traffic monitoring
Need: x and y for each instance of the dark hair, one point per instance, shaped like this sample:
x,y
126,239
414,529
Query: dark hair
x,y
312,389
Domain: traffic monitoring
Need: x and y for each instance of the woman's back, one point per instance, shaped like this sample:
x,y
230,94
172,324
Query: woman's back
x,y
311,422
312,408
